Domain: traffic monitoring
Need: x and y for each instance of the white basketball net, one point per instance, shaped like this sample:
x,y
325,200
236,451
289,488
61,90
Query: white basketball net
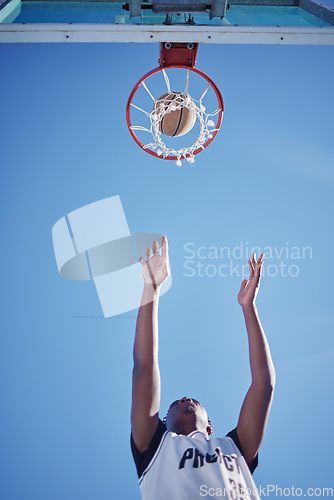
x,y
166,105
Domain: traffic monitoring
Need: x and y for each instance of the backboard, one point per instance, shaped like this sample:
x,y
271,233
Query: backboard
x,y
301,22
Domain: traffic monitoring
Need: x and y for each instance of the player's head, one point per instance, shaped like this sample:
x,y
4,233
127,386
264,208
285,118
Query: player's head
x,y
186,415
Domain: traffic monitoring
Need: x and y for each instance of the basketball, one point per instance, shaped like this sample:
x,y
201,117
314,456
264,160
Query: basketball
x,y
177,122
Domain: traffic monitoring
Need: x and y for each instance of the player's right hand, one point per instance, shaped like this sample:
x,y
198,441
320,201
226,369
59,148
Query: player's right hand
x,y
156,268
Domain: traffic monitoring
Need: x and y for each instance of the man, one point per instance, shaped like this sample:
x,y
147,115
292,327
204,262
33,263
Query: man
x,y
178,459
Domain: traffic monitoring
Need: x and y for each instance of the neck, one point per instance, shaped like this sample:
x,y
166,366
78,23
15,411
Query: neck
x,y
188,429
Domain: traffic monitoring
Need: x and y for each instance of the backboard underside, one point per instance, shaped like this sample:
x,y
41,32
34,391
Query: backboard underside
x,y
308,22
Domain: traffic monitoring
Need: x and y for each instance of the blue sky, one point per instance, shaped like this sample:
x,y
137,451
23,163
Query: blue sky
x,y
267,180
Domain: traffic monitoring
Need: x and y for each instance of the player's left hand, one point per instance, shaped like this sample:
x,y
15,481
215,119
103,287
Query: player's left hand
x,y
250,287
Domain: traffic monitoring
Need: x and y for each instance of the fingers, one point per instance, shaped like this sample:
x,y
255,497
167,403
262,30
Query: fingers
x,y
255,265
156,248
243,284
251,266
149,252
164,250
155,245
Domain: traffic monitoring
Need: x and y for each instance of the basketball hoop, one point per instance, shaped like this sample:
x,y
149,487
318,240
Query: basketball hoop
x,y
176,56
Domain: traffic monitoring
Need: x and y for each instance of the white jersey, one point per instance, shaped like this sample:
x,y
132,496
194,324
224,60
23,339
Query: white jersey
x,y
192,467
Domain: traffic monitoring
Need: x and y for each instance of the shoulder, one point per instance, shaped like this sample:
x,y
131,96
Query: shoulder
x,y
142,460
234,436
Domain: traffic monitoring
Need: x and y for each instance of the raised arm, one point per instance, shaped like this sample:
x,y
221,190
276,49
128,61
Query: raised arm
x,y
255,409
146,374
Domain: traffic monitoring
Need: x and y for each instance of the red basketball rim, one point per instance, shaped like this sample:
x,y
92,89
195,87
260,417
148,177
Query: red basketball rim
x,y
178,66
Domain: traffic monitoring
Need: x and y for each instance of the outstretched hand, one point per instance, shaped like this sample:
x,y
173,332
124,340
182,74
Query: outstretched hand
x,y
250,287
156,267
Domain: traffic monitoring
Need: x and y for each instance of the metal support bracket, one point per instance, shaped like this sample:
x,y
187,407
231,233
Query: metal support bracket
x,y
183,54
